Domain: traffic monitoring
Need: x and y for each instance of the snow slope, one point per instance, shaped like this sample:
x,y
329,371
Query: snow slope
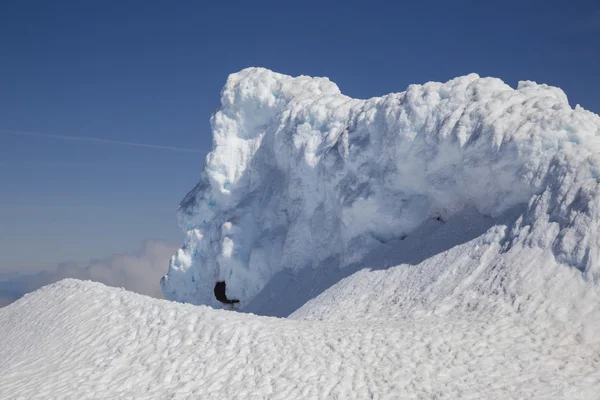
x,y
302,177
84,340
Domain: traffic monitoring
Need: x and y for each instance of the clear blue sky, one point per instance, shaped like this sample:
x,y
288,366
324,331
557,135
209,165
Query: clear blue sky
x,y
150,72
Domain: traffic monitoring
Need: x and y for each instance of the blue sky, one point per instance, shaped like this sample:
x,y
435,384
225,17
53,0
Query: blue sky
x,y
151,72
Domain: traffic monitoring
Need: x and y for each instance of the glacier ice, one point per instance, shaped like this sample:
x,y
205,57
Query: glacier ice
x,y
303,177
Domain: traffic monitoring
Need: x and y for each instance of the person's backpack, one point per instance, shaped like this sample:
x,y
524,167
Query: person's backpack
x,y
220,295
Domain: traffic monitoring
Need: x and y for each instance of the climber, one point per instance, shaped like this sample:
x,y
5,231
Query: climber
x,y
220,295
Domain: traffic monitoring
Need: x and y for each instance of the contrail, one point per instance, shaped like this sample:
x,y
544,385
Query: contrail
x,y
96,140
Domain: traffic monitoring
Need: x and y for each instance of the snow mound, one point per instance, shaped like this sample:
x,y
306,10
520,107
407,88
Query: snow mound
x,y
83,340
303,178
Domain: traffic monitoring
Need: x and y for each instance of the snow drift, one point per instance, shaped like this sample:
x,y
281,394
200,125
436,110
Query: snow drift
x,y
303,178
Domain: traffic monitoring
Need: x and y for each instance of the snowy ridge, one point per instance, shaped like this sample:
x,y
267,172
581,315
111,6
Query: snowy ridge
x,y
83,340
302,177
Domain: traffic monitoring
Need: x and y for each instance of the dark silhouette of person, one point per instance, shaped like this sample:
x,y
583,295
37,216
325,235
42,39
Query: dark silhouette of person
x,y
220,295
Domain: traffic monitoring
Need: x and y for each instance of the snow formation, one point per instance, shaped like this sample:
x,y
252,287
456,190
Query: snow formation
x,y
439,243
303,178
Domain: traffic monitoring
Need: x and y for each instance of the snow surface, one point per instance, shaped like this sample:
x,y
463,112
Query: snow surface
x,y
438,243
84,340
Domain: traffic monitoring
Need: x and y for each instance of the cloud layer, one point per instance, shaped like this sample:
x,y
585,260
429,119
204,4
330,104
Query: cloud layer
x,y
138,272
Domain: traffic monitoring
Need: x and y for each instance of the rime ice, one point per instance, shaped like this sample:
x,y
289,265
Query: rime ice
x,y
302,176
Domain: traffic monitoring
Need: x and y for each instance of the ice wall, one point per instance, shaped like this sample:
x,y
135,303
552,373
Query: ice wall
x,y
301,176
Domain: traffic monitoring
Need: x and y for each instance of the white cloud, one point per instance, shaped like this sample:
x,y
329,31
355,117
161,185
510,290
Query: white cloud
x,y
138,272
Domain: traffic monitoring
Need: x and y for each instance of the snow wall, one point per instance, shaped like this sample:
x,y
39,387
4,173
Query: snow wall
x,y
301,176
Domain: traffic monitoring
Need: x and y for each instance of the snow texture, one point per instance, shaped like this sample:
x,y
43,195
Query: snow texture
x,y
439,243
83,340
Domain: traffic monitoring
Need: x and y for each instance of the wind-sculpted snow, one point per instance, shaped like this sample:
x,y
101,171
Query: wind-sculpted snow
x,y
82,340
302,177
